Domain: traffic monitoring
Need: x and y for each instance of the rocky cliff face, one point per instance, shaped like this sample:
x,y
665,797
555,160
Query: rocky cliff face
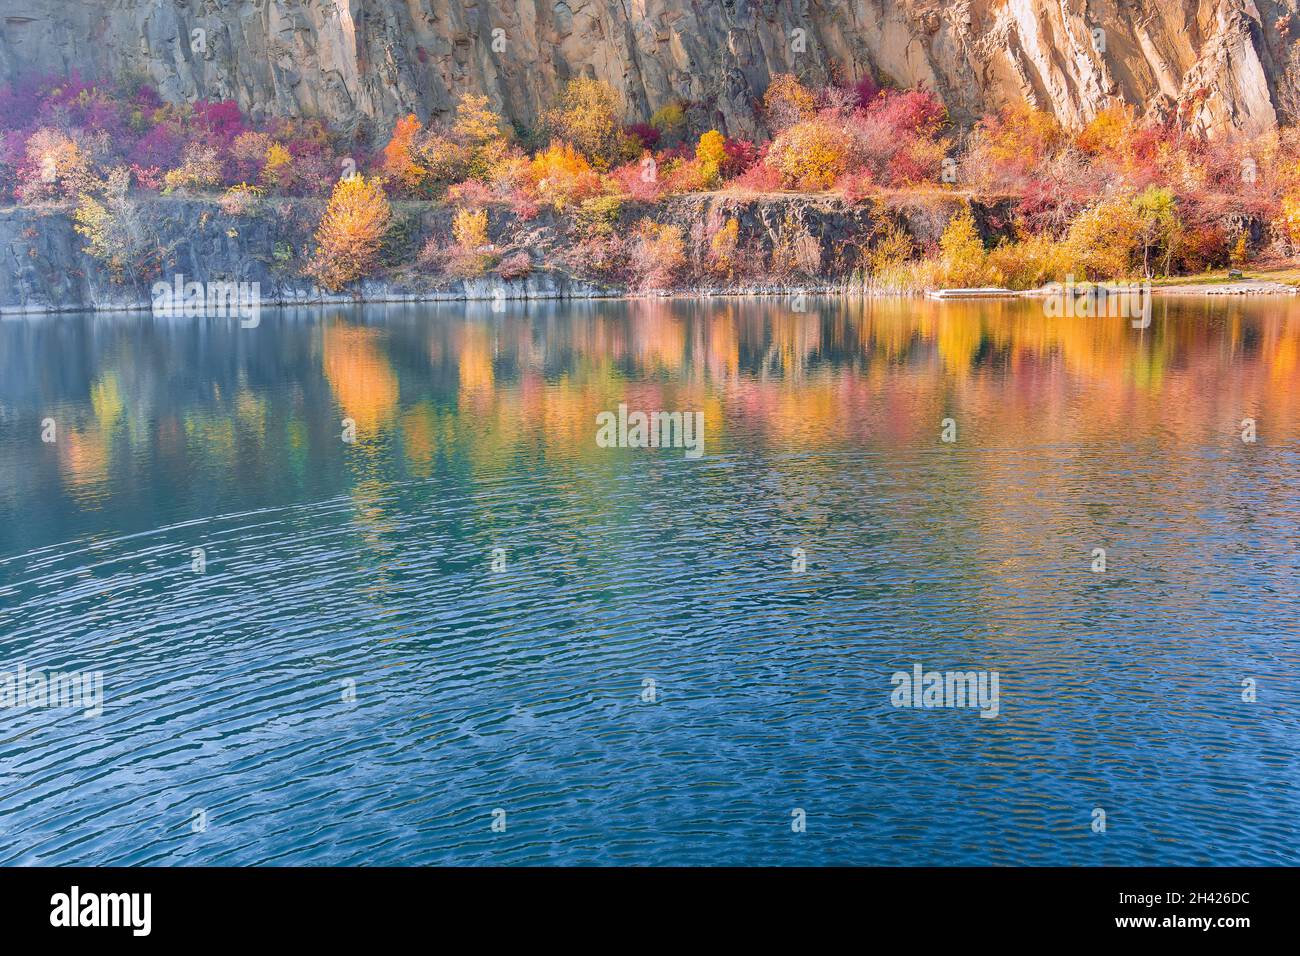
x,y
1229,64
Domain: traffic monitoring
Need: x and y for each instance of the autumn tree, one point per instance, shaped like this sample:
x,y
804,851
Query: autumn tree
x,y
350,233
200,170
469,229
711,153
1013,145
587,117
479,129
1107,134
56,168
787,101
810,155
962,250
563,176
1158,228
277,170
658,255
399,155
116,231
475,122
1103,239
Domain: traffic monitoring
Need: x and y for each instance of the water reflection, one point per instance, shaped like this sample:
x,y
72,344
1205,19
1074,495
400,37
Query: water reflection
x,y
368,561
138,398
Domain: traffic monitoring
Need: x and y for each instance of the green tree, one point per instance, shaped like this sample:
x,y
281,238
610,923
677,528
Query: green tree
x,y
1158,225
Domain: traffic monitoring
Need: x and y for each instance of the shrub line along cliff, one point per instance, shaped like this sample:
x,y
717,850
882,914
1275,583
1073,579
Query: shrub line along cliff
x,y
359,149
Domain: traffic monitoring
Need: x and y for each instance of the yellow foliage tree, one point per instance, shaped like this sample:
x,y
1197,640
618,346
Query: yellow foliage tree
x,y
116,232
1108,133
722,247
475,123
277,169
469,229
810,155
350,233
787,101
1104,239
962,251
711,151
587,117
1021,135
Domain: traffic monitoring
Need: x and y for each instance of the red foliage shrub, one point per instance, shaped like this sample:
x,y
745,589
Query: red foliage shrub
x,y
145,98
740,155
221,121
471,193
918,161
913,111
147,177
161,146
515,266
640,180
647,134
1050,200
759,178
1202,245
524,204
867,89
856,186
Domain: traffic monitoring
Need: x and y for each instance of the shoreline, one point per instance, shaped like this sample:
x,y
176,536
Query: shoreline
x,y
1234,288
52,272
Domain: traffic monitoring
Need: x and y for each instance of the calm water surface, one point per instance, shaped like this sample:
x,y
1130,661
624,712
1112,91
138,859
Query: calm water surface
x,y
369,565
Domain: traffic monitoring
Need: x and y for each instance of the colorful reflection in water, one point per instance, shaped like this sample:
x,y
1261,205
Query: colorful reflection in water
x,y
370,562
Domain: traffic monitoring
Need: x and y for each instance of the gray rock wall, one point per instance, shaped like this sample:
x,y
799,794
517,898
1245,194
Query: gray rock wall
x,y
1232,64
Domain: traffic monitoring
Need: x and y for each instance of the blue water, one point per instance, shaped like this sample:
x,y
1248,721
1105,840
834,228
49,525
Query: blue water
x,y
227,735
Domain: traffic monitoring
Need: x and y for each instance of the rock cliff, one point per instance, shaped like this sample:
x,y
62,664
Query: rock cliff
x,y
1227,64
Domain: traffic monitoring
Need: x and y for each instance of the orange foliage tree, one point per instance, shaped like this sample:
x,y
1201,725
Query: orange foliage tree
x,y
399,154
1018,139
563,176
1108,133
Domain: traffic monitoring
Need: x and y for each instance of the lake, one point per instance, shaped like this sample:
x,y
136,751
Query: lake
x,y
470,633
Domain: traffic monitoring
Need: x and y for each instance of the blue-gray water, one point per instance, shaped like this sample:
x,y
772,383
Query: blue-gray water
x,y
369,565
